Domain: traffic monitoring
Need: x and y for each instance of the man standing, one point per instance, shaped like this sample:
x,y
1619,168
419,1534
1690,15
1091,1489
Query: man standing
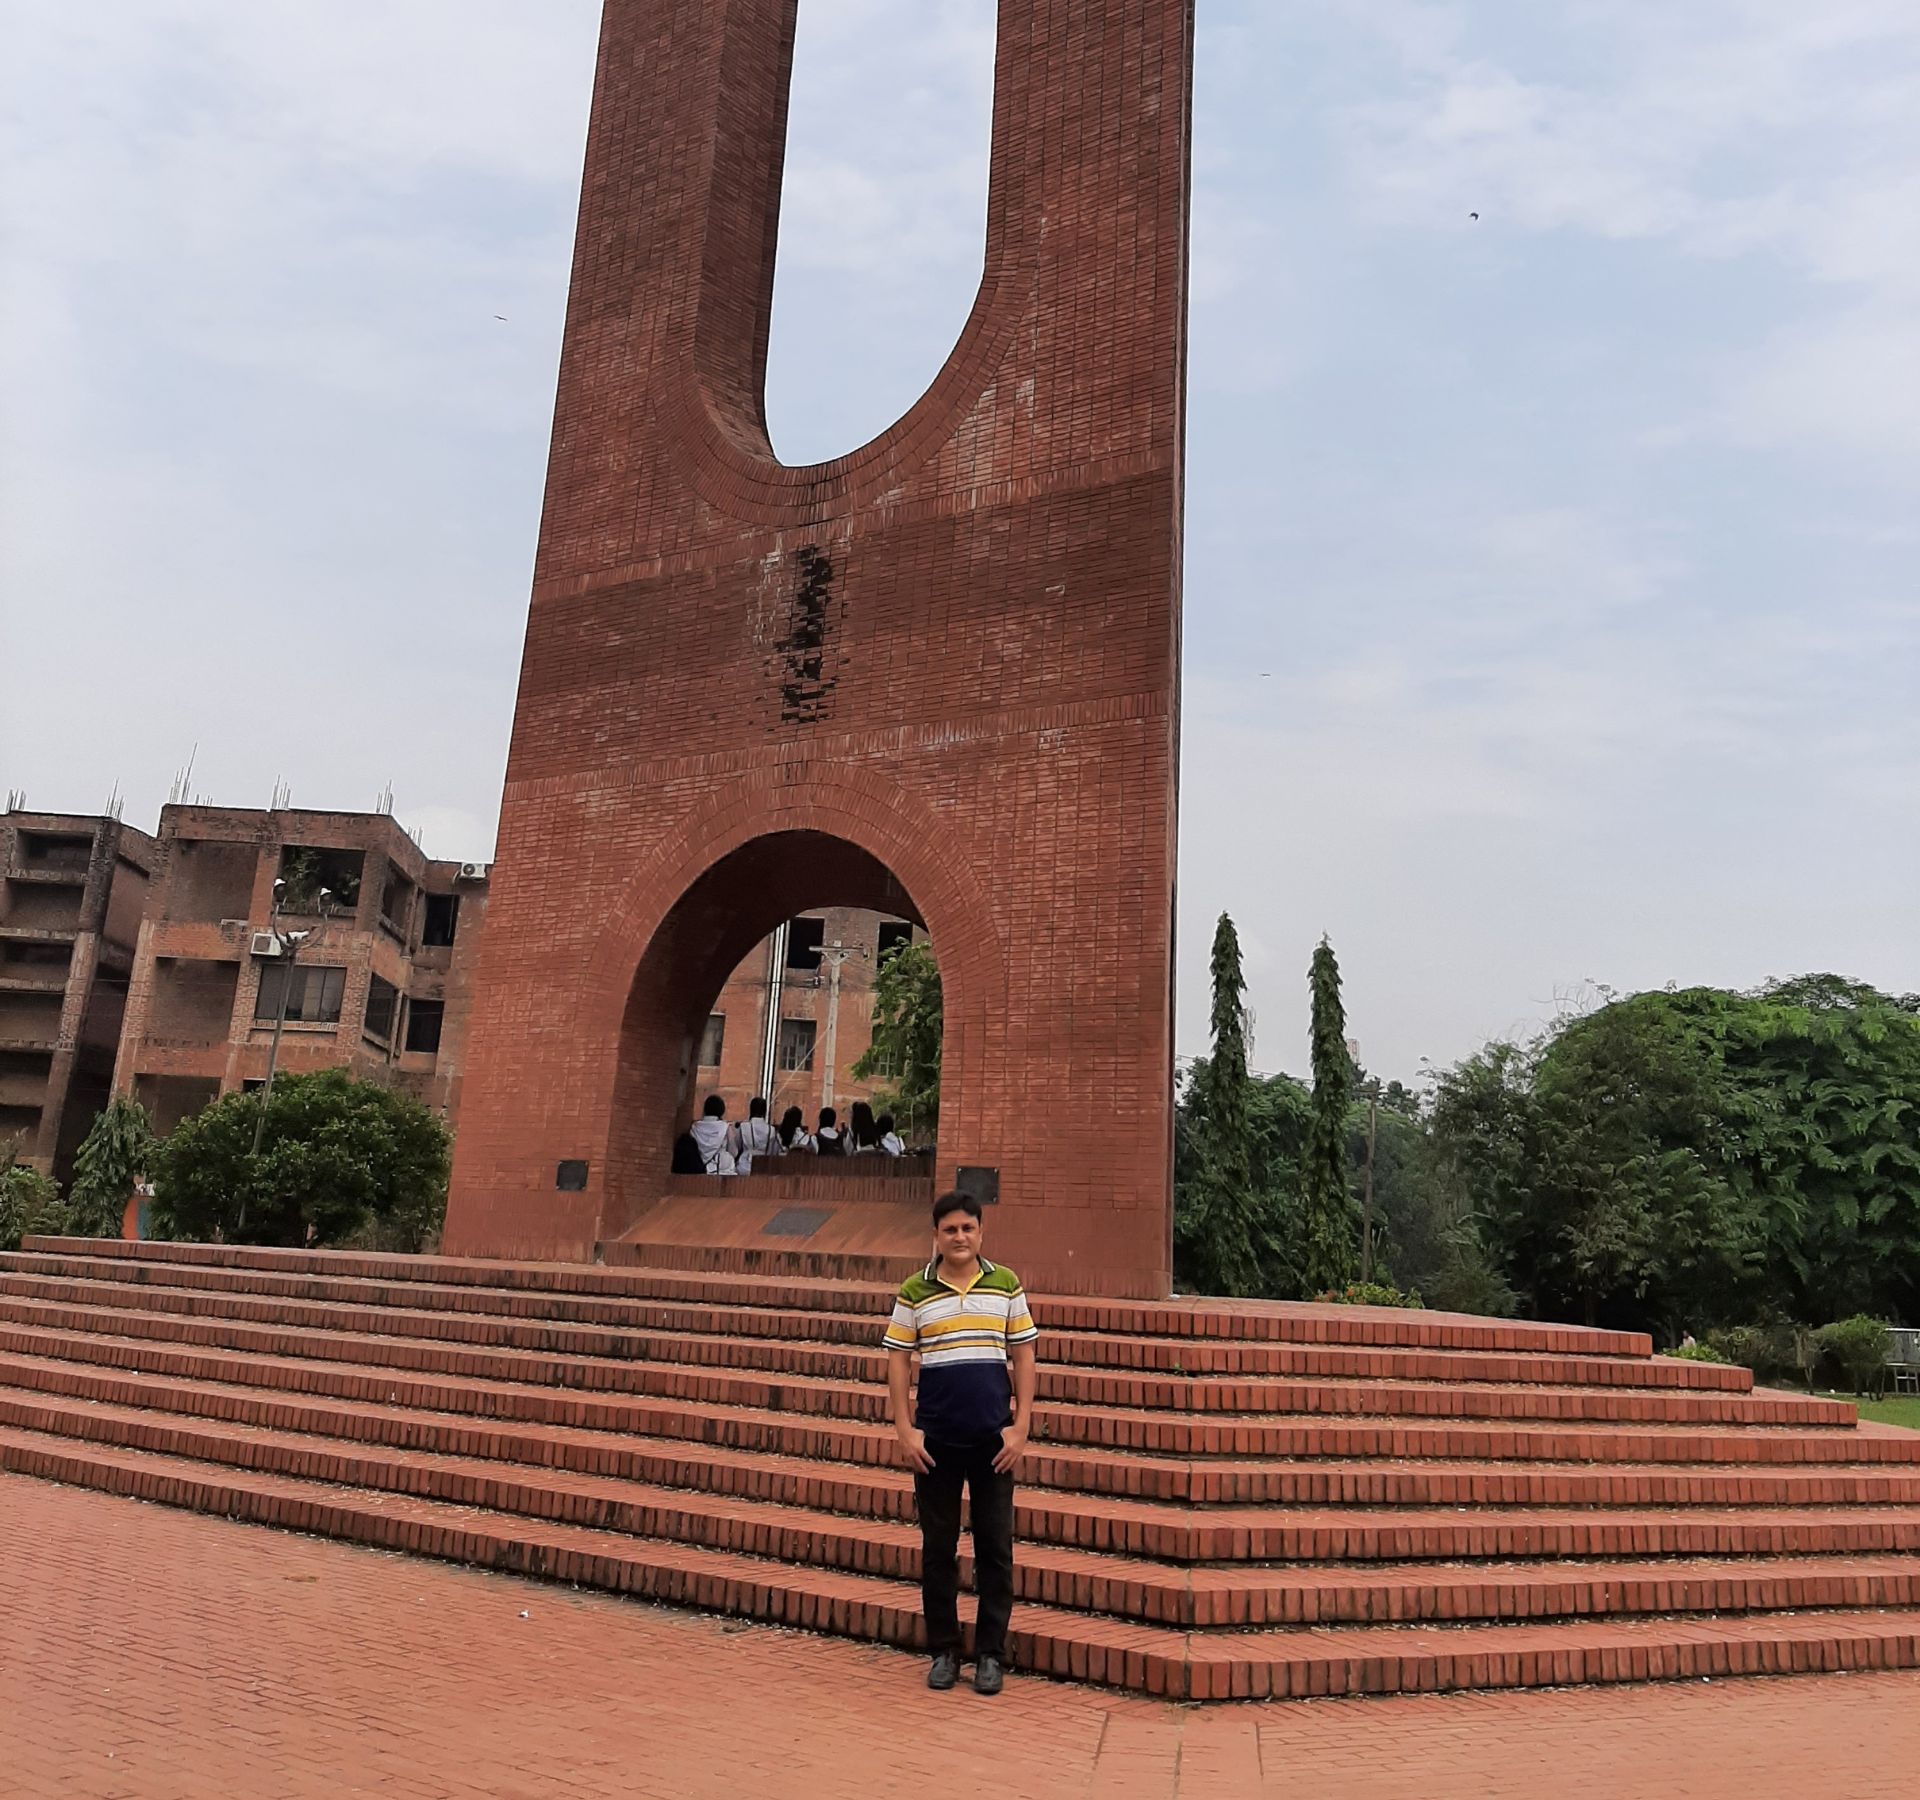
x,y
968,1321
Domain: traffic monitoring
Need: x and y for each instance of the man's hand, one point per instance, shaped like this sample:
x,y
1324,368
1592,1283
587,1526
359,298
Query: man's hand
x,y
1013,1446
914,1443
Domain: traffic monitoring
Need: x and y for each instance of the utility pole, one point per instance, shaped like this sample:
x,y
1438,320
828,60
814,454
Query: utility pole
x,y
833,955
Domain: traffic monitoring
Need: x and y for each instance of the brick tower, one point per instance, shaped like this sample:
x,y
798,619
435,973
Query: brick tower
x,y
936,677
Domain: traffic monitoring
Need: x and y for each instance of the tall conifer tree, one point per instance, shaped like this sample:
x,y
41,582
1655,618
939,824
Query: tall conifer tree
x,y
1221,1232
1326,1209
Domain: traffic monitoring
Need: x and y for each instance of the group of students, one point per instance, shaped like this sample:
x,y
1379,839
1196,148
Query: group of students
x,y
713,1146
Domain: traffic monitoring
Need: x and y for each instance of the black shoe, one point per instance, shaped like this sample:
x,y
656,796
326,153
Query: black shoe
x,y
945,1671
988,1674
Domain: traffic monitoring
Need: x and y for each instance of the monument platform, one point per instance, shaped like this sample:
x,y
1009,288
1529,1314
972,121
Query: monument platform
x,y
1226,1500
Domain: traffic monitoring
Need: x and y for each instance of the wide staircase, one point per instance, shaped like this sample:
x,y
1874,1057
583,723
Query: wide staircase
x,y
1224,1500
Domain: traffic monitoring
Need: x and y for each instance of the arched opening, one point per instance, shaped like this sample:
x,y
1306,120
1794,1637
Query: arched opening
x,y
823,1026
883,217
760,982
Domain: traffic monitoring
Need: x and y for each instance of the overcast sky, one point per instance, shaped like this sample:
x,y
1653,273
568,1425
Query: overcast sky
x,y
1552,612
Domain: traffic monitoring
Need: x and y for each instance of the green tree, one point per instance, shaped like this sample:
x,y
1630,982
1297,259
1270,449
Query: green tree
x,y
1221,1240
29,1203
113,1156
909,1018
1324,1254
339,1158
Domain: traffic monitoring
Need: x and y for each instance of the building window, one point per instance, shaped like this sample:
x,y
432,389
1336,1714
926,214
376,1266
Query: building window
x,y
383,1004
313,998
308,868
804,938
893,934
796,1045
443,919
423,1025
713,1040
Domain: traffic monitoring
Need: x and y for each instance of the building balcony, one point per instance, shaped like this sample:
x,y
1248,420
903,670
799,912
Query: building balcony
x,y
33,984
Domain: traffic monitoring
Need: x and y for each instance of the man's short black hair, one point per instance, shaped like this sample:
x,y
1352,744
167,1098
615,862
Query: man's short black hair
x,y
828,1116
953,1203
757,1109
716,1107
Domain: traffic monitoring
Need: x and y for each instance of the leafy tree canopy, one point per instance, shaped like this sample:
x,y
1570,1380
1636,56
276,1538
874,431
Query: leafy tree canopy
x,y
338,1157
909,1018
113,1155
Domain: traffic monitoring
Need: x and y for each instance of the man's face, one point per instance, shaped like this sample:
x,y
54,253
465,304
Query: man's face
x,y
958,1238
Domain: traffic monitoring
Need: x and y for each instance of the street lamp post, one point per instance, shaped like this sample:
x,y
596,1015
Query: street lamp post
x,y
290,943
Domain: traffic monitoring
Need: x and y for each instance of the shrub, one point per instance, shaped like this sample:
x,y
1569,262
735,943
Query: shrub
x,y
29,1202
1768,1350
338,1157
1859,1346
1370,1293
1705,1353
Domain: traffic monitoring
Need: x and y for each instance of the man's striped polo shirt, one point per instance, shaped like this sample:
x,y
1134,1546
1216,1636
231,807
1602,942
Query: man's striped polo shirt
x,y
963,1336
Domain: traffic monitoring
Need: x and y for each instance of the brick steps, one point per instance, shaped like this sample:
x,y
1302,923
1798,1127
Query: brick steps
x,y
1106,1581
1122,1413
1293,1662
790,1335
829,1361
1244,1321
886,1490
781,1530
1227,1500
707,1445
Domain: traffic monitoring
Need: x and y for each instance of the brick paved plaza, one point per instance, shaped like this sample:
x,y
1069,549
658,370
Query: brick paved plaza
x,y
147,1653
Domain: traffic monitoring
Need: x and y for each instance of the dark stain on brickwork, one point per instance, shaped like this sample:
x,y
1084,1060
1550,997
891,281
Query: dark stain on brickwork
x,y
806,689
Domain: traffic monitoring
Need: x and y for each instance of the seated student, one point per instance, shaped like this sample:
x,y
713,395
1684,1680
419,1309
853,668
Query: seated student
x,y
717,1139
794,1136
890,1140
863,1136
827,1141
687,1159
757,1138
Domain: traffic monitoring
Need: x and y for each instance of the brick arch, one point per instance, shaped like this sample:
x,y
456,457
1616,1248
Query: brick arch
x,y
761,850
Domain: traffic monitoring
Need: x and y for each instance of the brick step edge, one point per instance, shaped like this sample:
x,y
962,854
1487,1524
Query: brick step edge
x,y
882,1489
769,1330
1252,1321
1211,1430
785,1534
864,1363
1176,1665
1081,1469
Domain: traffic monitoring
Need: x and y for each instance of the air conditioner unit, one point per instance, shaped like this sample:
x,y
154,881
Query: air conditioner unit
x,y
475,871
266,943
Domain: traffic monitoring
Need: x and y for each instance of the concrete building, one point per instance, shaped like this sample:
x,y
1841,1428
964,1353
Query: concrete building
x,y
72,892
814,976
382,987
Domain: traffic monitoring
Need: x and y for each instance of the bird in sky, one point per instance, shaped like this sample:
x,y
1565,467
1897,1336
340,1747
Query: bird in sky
x,y
1473,215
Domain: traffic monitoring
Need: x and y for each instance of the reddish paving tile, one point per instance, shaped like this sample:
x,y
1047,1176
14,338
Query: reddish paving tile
x,y
148,1654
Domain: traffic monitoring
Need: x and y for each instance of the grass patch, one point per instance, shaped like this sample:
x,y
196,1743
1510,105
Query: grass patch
x,y
1903,1410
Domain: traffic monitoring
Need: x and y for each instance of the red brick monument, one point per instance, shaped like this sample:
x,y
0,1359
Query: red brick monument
x,y
937,677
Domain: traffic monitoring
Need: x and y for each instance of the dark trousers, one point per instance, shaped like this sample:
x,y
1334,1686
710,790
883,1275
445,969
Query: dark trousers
x,y
938,1497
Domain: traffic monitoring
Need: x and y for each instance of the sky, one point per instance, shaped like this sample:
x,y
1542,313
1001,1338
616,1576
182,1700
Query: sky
x,y
1552,612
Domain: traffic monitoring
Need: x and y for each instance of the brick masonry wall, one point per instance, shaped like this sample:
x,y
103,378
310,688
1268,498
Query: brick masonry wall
x,y
952,655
